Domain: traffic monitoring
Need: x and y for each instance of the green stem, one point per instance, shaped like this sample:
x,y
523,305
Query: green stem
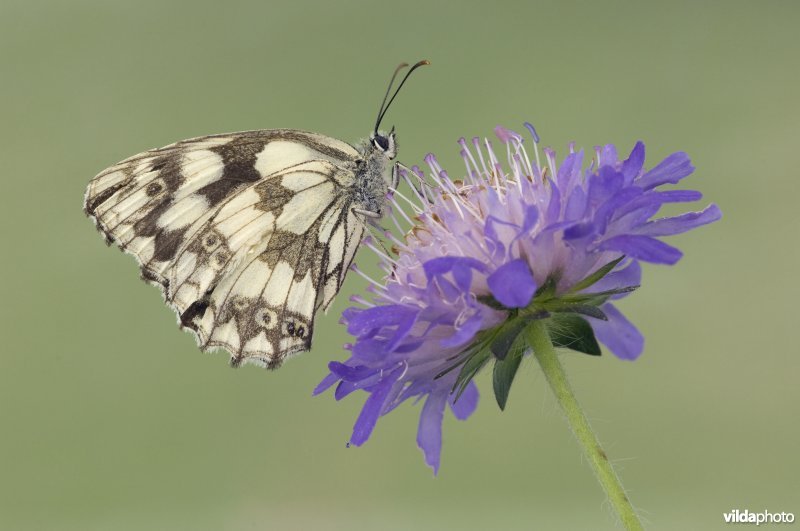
x,y
539,340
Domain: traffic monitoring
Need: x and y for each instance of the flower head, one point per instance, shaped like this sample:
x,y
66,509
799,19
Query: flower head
x,y
487,255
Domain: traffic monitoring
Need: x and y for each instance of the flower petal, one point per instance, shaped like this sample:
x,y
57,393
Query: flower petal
x,y
608,209
348,373
492,229
429,434
512,284
604,184
325,384
570,170
580,230
345,388
652,200
464,333
608,155
642,247
678,196
460,266
531,217
576,204
682,223
670,170
364,321
404,327
466,403
373,407
554,206
630,275
621,337
633,164
370,350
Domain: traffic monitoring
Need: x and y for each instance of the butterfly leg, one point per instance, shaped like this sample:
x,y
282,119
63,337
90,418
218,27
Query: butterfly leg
x,y
367,213
406,172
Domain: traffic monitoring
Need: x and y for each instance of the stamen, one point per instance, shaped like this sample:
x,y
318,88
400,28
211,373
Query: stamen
x,y
498,170
463,142
438,181
469,175
494,162
527,160
358,299
395,241
405,370
370,280
416,209
379,252
519,172
535,136
467,204
503,134
521,153
551,161
426,187
477,143
394,219
510,159
430,160
419,193
455,197
445,177
529,126
402,212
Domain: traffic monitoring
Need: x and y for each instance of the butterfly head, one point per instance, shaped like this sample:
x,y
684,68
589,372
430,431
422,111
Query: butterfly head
x,y
384,143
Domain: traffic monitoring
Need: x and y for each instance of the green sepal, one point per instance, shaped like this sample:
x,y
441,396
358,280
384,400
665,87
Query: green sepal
x,y
597,275
505,337
569,330
491,302
594,299
547,290
503,375
583,309
470,368
459,359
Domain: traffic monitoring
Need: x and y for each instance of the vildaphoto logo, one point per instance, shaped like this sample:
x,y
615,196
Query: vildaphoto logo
x,y
737,516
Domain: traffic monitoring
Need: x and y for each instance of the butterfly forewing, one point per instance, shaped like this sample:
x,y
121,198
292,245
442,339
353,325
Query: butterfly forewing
x,y
247,234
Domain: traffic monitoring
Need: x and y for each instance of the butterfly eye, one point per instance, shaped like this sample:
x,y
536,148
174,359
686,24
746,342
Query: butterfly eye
x,y
381,142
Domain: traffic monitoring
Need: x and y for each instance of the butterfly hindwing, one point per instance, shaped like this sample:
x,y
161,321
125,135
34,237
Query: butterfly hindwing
x,y
264,304
247,234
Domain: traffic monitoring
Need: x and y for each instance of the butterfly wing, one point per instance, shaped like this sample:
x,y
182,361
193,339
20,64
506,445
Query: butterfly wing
x,y
247,234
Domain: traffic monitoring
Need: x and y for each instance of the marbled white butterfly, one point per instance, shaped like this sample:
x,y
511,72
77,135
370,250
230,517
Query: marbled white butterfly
x,y
248,234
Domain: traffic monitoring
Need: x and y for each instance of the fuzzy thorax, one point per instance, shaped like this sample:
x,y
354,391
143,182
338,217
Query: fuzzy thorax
x,y
373,174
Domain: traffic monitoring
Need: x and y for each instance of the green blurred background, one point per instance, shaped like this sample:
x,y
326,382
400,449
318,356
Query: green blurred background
x,y
112,419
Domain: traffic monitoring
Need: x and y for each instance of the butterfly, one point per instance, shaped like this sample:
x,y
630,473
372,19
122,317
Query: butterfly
x,y
248,234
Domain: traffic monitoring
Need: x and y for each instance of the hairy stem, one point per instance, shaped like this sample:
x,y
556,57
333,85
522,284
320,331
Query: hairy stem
x,y
539,340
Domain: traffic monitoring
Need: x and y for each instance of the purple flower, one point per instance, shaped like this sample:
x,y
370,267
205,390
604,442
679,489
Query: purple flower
x,y
488,255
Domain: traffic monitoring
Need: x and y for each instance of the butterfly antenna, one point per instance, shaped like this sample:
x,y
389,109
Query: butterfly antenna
x,y
384,108
388,90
